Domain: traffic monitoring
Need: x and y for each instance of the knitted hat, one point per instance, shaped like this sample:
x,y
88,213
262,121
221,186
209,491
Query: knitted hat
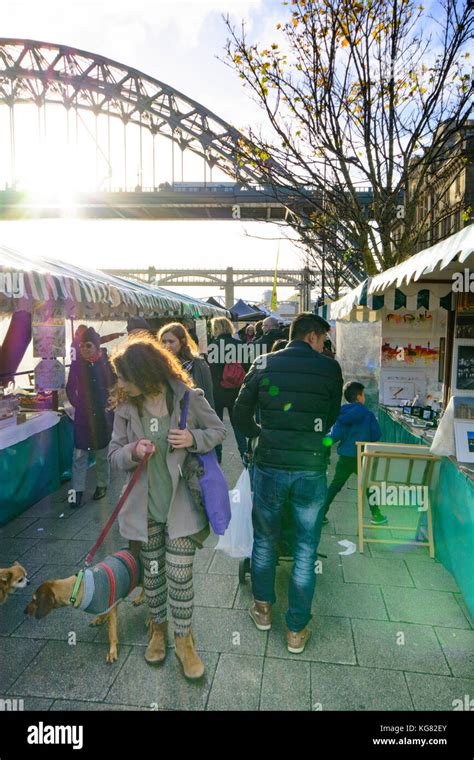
x,y
90,335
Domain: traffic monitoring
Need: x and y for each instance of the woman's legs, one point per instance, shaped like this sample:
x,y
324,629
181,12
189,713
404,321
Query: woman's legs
x,y
179,573
154,564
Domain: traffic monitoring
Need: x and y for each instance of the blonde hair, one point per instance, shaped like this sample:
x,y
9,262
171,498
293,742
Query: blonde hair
x,y
221,326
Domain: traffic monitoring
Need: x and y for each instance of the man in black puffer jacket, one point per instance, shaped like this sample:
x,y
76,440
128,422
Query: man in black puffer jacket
x,y
298,392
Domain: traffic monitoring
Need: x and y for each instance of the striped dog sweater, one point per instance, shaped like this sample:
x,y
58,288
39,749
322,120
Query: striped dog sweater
x,y
110,581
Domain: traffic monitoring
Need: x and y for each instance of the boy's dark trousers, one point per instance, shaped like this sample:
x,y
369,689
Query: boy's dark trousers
x,y
345,467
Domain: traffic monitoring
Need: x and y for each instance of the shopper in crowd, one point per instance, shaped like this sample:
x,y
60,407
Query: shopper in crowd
x,y
279,344
137,324
188,324
227,373
88,387
178,340
250,333
271,333
79,333
258,329
298,391
160,511
355,423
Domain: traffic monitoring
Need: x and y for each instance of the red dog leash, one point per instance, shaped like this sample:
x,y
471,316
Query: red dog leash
x,y
119,506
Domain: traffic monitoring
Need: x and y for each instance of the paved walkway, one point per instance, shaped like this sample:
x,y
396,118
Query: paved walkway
x,y
391,631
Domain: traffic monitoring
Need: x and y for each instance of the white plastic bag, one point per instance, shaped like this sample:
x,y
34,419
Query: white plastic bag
x,y
444,444
237,541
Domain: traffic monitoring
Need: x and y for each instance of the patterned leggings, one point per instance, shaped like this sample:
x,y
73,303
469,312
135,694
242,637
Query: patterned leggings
x,y
168,562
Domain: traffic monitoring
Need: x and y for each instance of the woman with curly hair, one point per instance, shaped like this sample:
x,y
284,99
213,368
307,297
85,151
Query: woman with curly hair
x,y
177,339
160,511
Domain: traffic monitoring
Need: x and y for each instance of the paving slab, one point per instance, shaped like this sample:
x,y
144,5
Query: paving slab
x,y
360,568
74,705
440,692
214,589
16,526
164,687
286,685
398,646
350,600
12,614
431,575
52,527
18,549
230,631
458,647
348,687
78,672
460,600
222,563
202,560
29,704
237,682
16,656
60,624
331,641
414,605
57,551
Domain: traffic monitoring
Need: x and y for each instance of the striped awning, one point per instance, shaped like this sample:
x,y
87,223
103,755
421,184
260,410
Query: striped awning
x,y
25,280
402,287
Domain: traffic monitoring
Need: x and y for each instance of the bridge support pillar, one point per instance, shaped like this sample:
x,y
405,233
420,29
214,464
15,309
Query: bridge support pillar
x,y
229,287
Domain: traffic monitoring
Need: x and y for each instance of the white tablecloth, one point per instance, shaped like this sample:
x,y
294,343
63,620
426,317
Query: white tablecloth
x,y
14,434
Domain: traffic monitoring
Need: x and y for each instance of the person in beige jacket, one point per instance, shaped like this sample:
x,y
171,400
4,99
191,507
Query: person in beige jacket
x,y
161,512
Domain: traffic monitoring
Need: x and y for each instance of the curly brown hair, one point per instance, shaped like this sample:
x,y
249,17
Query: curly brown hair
x,y
188,349
146,364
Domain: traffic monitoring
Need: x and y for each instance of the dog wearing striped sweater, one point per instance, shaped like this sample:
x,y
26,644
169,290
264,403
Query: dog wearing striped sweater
x,y
100,591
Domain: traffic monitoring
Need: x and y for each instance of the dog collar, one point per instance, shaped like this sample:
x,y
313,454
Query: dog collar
x,y
73,597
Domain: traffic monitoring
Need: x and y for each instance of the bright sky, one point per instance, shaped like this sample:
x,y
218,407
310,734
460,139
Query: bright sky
x,y
177,42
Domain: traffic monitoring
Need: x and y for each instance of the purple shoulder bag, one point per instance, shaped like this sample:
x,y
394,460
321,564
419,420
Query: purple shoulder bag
x,y
212,483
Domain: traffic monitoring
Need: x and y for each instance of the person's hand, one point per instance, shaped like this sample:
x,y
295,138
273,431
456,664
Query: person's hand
x,y
180,439
143,447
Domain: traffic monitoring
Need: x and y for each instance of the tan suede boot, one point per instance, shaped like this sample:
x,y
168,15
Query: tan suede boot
x,y
192,664
156,649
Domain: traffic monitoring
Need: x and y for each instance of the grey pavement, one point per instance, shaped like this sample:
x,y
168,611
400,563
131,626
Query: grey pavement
x,y
390,628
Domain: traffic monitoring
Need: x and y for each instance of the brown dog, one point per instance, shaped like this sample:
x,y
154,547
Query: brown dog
x,y
57,593
12,578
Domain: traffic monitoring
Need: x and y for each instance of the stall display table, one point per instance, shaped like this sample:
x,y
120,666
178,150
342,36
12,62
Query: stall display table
x,y
35,457
453,507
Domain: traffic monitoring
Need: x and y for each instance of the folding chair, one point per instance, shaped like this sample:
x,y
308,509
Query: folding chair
x,y
396,464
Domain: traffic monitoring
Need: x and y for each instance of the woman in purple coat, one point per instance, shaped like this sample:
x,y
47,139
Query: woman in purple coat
x,y
88,387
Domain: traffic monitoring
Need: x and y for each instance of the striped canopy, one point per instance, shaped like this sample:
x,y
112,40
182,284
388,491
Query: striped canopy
x,y
26,281
403,286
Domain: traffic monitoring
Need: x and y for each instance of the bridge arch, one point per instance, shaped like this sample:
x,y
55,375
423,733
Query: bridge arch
x,y
41,72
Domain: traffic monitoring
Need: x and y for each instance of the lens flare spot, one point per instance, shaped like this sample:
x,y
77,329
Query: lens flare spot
x,y
274,390
265,381
287,407
327,441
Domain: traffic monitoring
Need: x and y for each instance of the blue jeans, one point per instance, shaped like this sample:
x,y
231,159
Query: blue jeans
x,y
306,494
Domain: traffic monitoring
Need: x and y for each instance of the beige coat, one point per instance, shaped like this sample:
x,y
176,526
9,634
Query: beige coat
x,y
184,518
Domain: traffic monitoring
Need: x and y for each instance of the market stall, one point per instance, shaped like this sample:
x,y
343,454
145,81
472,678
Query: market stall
x,y
408,335
38,297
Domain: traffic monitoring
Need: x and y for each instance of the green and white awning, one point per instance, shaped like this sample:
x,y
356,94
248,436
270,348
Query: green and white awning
x,y
27,281
403,286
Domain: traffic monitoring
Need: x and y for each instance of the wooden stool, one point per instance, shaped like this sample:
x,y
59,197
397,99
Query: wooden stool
x,y
415,465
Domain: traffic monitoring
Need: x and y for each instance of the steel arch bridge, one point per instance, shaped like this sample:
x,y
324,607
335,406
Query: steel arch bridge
x,y
40,73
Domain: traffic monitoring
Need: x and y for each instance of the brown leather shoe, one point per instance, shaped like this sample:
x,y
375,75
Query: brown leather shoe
x,y
193,666
261,614
297,640
156,649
